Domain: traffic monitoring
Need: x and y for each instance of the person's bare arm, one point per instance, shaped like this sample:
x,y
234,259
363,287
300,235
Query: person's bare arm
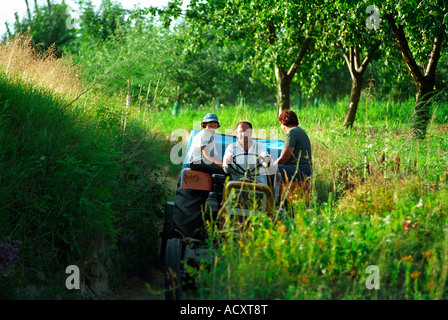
x,y
206,154
284,156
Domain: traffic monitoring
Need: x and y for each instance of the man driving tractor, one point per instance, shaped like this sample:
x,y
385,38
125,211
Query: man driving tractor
x,y
246,157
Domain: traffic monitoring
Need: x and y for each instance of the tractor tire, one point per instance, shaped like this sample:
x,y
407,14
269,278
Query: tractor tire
x,y
167,228
187,214
173,269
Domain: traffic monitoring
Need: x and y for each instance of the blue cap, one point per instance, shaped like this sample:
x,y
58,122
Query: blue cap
x,y
210,117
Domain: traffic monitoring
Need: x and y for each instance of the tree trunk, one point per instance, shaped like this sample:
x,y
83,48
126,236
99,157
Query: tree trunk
x,y
357,68
355,94
420,118
283,89
424,81
283,78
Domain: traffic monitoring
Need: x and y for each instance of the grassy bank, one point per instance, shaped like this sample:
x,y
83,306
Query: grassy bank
x,y
80,184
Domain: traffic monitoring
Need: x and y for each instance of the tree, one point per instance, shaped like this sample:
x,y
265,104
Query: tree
x,y
133,59
47,25
210,74
276,34
419,29
357,40
98,25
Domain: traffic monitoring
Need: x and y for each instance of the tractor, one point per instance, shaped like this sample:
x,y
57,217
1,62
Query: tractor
x,y
184,234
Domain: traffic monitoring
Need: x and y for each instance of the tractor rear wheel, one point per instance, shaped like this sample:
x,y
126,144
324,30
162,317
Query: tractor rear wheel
x,y
187,215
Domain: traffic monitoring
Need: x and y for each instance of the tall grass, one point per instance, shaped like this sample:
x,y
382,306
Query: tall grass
x,y
18,57
324,254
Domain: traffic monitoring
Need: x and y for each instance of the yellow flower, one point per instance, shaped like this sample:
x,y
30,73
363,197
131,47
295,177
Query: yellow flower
x,y
431,285
427,254
415,275
407,258
281,228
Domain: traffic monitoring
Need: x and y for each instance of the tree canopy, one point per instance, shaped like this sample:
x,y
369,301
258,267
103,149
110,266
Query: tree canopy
x,y
220,50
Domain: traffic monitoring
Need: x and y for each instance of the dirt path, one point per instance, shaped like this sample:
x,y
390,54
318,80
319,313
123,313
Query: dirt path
x,y
137,288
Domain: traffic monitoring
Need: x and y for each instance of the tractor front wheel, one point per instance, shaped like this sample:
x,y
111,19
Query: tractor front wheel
x,y
173,269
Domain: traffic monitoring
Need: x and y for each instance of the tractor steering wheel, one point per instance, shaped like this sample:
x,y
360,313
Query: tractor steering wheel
x,y
250,170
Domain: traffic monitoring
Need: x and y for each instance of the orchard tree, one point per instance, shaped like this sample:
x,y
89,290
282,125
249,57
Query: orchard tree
x,y
276,34
352,27
420,31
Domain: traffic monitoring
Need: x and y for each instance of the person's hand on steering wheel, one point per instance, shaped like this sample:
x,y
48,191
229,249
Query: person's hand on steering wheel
x,y
265,159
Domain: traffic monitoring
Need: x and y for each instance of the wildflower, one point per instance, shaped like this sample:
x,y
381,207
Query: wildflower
x,y
427,254
281,227
407,258
415,275
431,285
408,225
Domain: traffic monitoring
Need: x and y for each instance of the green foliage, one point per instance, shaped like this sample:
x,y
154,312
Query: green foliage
x,y
98,25
134,60
150,63
323,253
270,32
428,20
83,183
47,26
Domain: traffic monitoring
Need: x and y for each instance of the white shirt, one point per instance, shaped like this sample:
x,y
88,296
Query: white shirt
x,y
245,162
201,139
